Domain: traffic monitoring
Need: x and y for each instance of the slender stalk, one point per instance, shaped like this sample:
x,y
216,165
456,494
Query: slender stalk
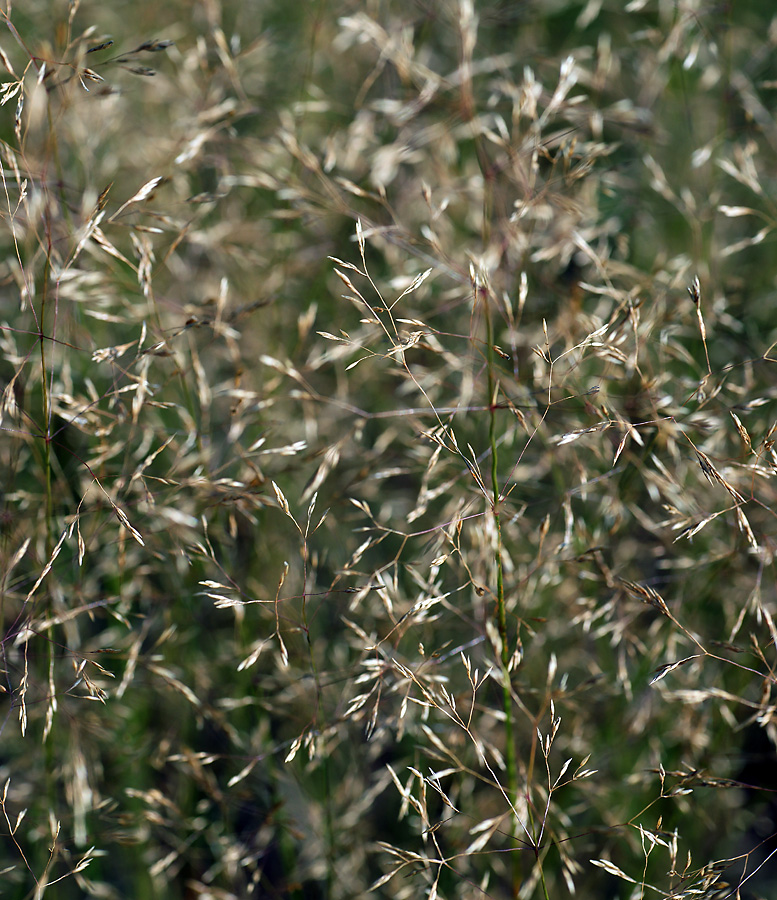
x,y
501,610
45,400
329,825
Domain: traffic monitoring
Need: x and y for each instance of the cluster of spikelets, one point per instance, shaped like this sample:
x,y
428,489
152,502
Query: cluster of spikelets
x,y
388,452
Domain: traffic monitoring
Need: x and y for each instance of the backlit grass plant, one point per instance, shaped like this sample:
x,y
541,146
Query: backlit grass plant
x,y
388,434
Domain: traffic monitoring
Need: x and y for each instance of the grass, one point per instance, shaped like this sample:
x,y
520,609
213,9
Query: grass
x,y
388,440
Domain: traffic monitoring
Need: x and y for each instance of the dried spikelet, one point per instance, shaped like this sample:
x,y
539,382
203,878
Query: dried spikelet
x,y
664,670
742,432
645,594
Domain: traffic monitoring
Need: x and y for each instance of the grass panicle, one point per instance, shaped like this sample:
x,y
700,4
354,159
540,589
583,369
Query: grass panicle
x,y
388,437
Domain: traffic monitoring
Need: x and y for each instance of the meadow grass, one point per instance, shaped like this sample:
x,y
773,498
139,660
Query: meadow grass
x,y
388,425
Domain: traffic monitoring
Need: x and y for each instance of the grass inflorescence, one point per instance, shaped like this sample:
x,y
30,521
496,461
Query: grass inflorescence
x,y
388,437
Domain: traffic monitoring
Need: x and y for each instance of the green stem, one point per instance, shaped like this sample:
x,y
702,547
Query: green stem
x,y
46,423
501,610
329,825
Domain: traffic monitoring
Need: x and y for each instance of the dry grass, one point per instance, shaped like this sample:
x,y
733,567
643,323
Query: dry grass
x,y
388,434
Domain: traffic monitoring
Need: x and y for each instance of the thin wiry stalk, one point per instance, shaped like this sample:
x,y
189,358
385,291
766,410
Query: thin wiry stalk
x,y
501,609
329,825
46,404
